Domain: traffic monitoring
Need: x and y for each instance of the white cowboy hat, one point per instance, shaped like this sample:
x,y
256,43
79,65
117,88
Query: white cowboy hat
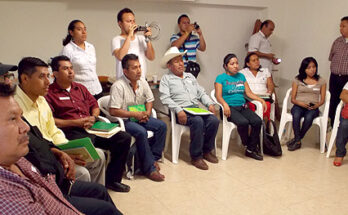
x,y
170,54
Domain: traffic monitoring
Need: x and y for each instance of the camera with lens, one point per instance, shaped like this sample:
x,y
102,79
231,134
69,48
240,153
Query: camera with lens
x,y
196,26
141,28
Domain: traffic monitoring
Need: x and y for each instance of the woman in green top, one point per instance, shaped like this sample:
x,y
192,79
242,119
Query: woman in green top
x,y
230,88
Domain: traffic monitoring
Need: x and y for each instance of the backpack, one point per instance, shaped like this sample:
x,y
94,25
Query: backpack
x,y
271,143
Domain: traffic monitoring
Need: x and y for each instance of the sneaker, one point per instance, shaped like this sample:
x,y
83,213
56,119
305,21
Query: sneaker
x,y
294,146
290,142
254,155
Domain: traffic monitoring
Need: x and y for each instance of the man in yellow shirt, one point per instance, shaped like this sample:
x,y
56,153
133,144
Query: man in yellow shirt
x,y
33,78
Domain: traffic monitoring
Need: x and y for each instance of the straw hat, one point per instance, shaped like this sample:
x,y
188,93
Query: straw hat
x,y
170,54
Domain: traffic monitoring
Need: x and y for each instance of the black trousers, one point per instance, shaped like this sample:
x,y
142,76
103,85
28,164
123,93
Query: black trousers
x,y
337,83
91,199
118,145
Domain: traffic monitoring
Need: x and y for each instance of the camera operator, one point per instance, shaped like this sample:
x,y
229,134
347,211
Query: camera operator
x,y
130,43
185,40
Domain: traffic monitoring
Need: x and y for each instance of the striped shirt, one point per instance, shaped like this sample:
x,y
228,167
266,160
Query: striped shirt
x,y
339,57
191,45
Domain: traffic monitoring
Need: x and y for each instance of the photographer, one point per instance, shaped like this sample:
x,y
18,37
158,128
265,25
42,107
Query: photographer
x,y
130,43
186,40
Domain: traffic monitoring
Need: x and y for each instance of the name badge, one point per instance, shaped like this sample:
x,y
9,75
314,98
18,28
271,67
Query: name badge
x,y
64,98
316,89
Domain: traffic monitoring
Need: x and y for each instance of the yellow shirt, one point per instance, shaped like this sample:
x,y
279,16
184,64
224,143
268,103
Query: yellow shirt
x,y
39,114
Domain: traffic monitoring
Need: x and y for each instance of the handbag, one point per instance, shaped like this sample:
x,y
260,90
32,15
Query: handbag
x,y
271,143
191,66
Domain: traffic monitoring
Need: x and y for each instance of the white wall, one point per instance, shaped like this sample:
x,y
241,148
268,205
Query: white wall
x,y
303,28
36,28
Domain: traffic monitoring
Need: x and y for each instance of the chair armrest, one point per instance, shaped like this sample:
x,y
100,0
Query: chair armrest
x,y
259,108
103,119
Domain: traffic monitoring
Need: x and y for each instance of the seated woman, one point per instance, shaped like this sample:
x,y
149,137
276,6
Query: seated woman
x,y
259,80
229,91
307,95
82,56
342,134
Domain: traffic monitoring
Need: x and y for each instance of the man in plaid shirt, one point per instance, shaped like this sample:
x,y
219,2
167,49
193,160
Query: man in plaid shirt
x,y
23,190
339,67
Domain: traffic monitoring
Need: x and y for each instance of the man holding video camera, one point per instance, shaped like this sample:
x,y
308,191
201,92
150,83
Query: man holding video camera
x,y
185,40
130,43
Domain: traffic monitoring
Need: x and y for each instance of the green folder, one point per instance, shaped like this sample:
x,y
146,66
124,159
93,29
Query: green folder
x,y
103,126
136,108
197,111
81,146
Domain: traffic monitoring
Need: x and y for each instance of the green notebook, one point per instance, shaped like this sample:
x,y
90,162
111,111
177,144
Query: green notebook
x,y
103,126
136,108
197,111
82,147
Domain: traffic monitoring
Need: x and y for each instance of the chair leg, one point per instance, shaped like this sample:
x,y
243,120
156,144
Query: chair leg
x,y
225,142
323,130
281,128
176,139
332,141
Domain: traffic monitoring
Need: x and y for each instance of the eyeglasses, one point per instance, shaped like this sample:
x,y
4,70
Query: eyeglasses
x,y
7,76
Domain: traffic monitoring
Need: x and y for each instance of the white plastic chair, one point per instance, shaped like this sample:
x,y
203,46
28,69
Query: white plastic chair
x,y
321,120
177,131
227,126
335,128
272,115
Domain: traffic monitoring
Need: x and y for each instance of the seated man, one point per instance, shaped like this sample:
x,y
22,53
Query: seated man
x,y
23,190
75,109
5,76
179,90
130,90
33,85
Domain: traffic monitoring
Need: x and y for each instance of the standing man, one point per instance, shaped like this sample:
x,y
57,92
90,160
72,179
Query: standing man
x,y
259,44
33,78
186,41
128,42
75,109
339,67
133,90
179,90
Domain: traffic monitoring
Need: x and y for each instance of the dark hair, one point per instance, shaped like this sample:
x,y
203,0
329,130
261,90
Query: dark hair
x,y
71,27
6,90
302,71
127,58
27,66
182,16
123,11
55,62
344,18
265,23
227,58
247,60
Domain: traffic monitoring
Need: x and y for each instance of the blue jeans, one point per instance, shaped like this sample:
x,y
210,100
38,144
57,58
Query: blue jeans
x,y
149,150
308,115
243,117
342,138
203,131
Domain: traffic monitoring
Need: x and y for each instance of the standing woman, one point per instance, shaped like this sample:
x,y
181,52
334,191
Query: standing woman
x,y
229,91
259,80
307,95
82,56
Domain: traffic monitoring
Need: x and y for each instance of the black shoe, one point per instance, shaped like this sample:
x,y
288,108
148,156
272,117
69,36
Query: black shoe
x,y
291,142
118,187
294,147
253,154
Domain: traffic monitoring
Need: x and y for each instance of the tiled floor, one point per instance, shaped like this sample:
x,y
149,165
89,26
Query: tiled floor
x,y
300,182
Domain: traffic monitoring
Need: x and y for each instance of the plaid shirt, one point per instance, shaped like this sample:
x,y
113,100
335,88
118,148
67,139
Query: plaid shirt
x,y
32,195
339,57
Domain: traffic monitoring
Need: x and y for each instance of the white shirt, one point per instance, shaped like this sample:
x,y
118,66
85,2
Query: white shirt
x,y
258,83
84,63
259,42
137,46
345,86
